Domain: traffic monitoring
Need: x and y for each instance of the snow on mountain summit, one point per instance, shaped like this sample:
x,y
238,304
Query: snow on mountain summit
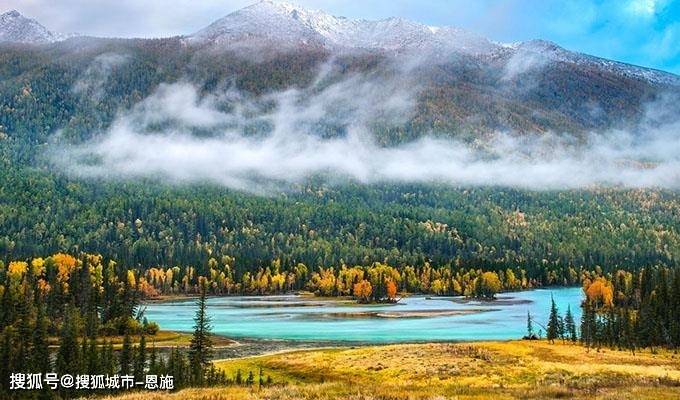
x,y
287,24
14,27
265,21
283,25
553,53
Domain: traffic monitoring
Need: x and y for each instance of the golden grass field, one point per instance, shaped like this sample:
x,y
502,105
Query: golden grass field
x,y
489,370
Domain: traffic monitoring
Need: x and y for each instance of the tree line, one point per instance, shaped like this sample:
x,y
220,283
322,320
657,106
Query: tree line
x,y
143,225
375,282
624,310
63,314
633,310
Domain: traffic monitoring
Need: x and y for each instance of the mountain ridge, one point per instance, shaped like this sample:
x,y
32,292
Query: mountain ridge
x,y
314,26
462,91
286,26
14,27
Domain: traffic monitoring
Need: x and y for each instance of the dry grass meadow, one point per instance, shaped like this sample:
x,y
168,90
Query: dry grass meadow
x,y
493,370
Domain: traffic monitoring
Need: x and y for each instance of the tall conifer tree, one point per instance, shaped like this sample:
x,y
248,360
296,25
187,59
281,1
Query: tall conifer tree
x,y
200,350
553,329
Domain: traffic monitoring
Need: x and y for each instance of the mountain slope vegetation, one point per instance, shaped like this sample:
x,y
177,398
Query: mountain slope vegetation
x,y
56,96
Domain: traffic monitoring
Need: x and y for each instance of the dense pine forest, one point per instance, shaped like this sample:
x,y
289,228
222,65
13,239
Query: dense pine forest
x,y
145,225
632,311
622,311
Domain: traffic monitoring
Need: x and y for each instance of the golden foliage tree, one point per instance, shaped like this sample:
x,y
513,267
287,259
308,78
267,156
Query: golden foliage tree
x,y
599,292
363,290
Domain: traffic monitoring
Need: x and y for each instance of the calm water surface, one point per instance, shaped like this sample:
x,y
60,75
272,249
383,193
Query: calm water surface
x,y
412,319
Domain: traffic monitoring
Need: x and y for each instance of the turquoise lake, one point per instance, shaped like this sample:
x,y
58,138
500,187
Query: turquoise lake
x,y
413,319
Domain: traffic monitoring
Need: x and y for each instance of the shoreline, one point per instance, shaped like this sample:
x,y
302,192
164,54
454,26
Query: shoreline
x,y
319,345
244,348
240,343
347,299
234,348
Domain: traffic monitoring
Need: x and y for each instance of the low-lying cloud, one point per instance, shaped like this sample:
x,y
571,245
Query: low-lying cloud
x,y
91,84
524,61
183,136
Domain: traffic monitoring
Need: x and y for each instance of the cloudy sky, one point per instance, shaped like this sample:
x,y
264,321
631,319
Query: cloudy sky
x,y
642,32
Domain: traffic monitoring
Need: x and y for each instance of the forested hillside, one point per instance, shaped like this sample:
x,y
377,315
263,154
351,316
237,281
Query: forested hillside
x,y
77,87
54,97
288,152
146,224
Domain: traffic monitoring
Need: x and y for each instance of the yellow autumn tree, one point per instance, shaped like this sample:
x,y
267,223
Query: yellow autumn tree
x,y
37,266
131,279
600,293
324,281
363,291
391,289
65,264
17,269
487,285
146,289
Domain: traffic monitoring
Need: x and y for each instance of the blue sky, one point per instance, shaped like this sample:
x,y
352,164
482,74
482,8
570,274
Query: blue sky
x,y
642,32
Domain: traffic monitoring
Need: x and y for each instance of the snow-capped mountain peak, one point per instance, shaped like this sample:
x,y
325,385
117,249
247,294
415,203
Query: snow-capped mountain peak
x,y
14,27
284,25
287,24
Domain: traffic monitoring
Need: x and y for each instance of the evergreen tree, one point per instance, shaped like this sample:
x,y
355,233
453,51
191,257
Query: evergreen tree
x,y
92,322
553,328
41,354
627,336
7,306
570,325
177,367
94,361
200,349
161,367
675,310
588,325
6,356
109,364
646,332
22,355
181,370
612,328
530,326
125,356
171,366
84,356
661,300
140,359
153,360
68,355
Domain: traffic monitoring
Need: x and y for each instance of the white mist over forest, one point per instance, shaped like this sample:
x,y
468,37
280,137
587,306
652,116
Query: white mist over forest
x,y
183,136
